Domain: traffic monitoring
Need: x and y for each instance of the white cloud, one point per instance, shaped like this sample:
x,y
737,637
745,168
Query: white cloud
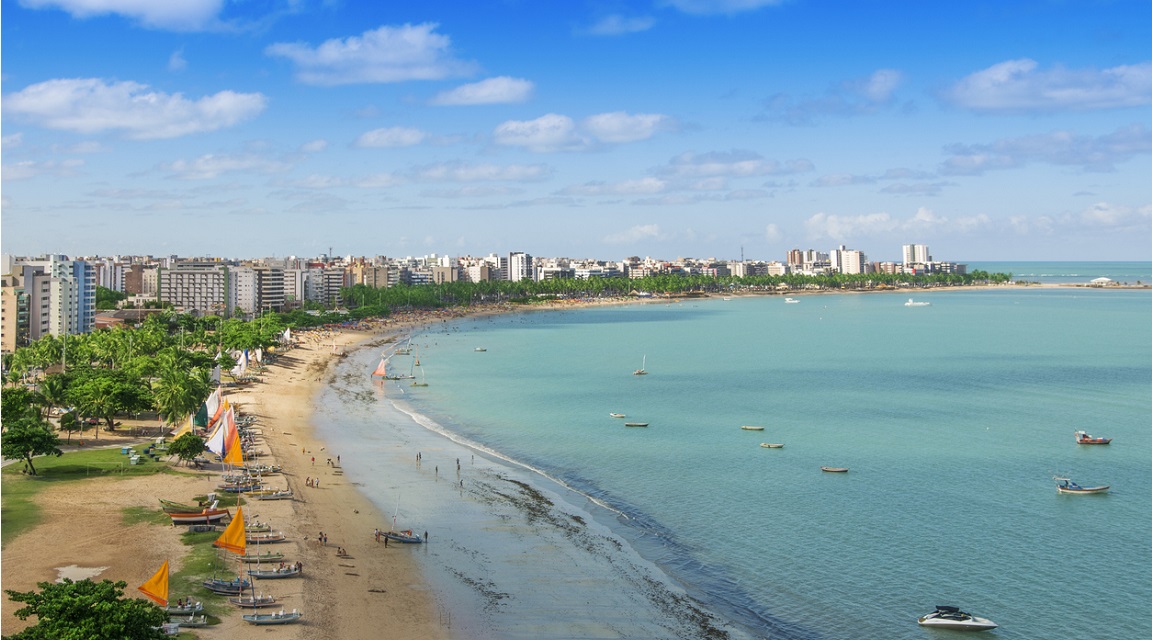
x,y
637,233
859,96
736,163
315,146
1021,86
643,186
212,166
12,140
387,54
823,226
618,126
618,25
841,180
550,132
772,233
471,192
391,137
460,172
1091,153
92,105
1104,214
499,90
176,61
380,180
13,171
704,7
881,85
176,15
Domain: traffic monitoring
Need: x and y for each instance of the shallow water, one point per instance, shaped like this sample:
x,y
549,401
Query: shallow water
x,y
952,418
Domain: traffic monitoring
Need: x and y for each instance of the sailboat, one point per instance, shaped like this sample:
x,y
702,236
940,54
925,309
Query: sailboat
x,y
381,369
232,540
423,379
407,536
642,371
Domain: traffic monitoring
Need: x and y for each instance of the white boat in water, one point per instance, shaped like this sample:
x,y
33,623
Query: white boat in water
x,y
946,617
913,303
642,371
790,301
750,427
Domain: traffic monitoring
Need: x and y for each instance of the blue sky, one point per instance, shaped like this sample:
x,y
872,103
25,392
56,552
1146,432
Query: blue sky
x,y
986,130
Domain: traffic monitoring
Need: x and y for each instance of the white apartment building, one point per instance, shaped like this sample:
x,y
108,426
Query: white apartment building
x,y
60,295
520,266
916,254
846,260
199,288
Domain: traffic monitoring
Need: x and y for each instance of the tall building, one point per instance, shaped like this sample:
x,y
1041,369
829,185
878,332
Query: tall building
x,y
199,288
916,254
846,260
520,266
13,313
60,294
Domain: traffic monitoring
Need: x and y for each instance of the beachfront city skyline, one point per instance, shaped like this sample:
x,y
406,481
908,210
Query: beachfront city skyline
x,y
662,128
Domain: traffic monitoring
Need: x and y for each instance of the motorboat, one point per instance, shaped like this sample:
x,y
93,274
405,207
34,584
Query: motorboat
x,y
616,415
834,469
946,617
406,536
749,427
1082,437
480,349
772,445
791,301
635,424
1066,485
913,303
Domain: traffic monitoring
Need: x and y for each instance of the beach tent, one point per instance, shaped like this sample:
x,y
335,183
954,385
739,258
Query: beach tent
x,y
1101,281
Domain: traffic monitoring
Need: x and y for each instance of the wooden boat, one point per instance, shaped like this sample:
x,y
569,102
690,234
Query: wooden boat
x,y
834,469
283,494
190,608
265,538
253,602
616,415
407,536
227,587
1066,485
257,527
191,622
204,516
749,427
176,507
945,617
269,556
771,445
1082,437
286,571
239,488
635,424
272,618
263,468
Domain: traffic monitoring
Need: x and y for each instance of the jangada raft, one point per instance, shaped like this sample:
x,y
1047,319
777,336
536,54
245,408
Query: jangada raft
x,y
946,617
273,618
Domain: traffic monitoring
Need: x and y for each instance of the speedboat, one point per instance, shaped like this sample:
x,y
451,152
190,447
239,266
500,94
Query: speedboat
x,y
1066,485
946,617
791,301
1082,437
912,303
635,424
616,415
772,445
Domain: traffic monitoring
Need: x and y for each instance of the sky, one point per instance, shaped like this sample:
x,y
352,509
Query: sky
x,y
987,130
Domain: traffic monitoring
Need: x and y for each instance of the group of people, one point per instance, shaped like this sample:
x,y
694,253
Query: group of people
x,y
312,482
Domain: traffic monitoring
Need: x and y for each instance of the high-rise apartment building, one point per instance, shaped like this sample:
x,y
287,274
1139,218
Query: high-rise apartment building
x,y
60,295
199,288
916,254
520,266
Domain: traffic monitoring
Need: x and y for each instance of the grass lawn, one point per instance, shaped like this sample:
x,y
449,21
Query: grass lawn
x,y
19,510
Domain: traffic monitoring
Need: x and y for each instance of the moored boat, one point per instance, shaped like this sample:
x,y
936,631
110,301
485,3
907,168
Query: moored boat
x,y
280,617
635,424
834,469
947,617
749,427
1066,485
913,303
1082,437
772,445
406,536
616,415
790,301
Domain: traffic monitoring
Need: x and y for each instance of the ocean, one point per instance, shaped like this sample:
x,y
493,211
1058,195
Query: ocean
x,y
550,519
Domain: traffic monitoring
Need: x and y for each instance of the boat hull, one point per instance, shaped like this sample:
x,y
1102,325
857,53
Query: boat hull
x,y
405,538
272,618
207,516
749,427
635,424
834,469
771,445
971,624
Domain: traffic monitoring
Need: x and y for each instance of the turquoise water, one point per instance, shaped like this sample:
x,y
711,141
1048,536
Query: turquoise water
x,y
952,418
1070,272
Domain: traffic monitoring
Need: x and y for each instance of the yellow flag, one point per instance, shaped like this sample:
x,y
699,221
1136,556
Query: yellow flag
x,y
157,586
233,538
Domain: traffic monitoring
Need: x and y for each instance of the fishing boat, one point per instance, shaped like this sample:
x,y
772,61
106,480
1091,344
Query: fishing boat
x,y
381,370
264,538
253,602
170,506
1082,437
407,536
191,622
772,445
279,617
204,516
184,608
642,371
259,469
480,349
616,415
268,556
749,427
790,301
283,571
635,424
913,303
283,494
946,617
834,469
1066,485
227,587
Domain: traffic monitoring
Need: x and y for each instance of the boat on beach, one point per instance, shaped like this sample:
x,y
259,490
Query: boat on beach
x,y
191,622
834,469
1082,437
184,609
948,617
204,516
406,536
282,571
1066,485
253,602
264,538
267,556
283,494
272,618
227,587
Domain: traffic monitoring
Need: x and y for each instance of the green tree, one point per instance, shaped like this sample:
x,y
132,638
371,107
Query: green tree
x,y
86,610
107,392
27,437
186,447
